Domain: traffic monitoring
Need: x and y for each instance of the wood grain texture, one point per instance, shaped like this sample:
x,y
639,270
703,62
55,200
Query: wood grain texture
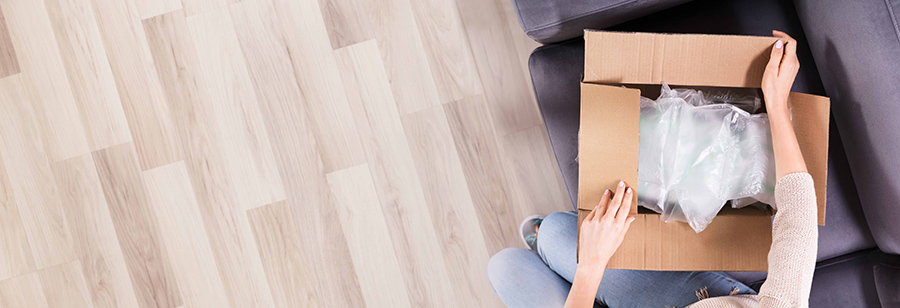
x,y
148,114
531,168
93,233
193,7
482,165
450,204
22,292
151,8
363,222
346,25
181,226
325,100
394,174
15,253
280,244
449,55
42,68
87,67
27,166
9,64
136,227
504,81
230,236
247,152
402,52
65,286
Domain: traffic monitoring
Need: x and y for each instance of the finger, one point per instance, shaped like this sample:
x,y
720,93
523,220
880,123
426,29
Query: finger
x,y
775,58
790,48
616,200
628,222
625,208
604,203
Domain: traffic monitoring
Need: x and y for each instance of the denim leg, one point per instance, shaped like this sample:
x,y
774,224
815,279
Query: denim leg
x,y
628,288
521,279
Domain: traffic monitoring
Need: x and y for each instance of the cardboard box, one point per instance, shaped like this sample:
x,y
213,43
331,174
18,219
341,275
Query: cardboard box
x,y
737,239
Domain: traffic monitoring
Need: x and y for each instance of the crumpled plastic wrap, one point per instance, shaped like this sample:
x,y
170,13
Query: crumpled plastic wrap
x,y
699,150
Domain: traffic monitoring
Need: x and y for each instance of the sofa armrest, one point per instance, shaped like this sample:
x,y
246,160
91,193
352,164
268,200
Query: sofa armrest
x,y
550,21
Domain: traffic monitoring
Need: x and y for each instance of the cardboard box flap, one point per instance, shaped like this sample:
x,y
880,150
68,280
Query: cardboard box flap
x,y
614,126
680,59
810,116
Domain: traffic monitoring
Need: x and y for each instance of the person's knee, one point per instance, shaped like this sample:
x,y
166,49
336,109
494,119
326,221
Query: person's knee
x,y
558,226
506,263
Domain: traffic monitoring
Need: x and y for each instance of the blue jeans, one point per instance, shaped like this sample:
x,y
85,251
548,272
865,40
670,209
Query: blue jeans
x,y
524,279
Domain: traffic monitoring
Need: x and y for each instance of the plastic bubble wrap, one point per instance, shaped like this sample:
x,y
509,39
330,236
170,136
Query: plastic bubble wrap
x,y
699,150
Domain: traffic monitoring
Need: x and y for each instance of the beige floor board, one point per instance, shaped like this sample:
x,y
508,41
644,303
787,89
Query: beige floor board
x,y
94,234
399,190
181,226
504,81
447,46
30,177
42,68
482,164
15,253
402,53
22,292
88,71
279,241
193,7
136,227
346,25
9,64
324,99
226,224
366,230
524,44
148,114
150,8
64,286
452,211
531,166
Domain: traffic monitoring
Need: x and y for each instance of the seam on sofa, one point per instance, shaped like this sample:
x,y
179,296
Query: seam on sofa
x,y
579,16
890,11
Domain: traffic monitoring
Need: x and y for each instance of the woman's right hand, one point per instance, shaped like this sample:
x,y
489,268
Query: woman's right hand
x,y
780,73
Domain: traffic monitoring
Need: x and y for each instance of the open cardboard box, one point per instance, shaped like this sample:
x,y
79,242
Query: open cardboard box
x,y
737,239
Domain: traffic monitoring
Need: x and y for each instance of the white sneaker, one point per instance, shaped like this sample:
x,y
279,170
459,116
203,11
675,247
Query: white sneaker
x,y
527,232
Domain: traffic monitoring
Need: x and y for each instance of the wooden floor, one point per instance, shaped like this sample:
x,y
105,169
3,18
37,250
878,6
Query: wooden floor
x,y
264,153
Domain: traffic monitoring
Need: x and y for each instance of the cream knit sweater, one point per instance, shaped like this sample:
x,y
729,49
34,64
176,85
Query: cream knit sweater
x,y
792,257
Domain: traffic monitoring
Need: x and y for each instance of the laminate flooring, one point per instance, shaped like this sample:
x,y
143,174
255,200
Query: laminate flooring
x,y
264,153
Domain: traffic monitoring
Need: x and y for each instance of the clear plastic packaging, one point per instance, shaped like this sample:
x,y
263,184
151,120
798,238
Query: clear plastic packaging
x,y
699,150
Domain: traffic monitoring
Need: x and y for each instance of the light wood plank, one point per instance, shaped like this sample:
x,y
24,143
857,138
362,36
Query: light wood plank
x,y
193,7
30,177
283,255
531,167
93,233
482,164
346,25
250,162
87,67
15,253
181,226
325,101
9,64
451,207
363,223
65,286
524,44
151,8
22,292
399,190
148,114
226,223
136,227
504,81
447,46
402,53
43,69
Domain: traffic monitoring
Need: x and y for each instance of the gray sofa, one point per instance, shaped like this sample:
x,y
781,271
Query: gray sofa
x,y
849,51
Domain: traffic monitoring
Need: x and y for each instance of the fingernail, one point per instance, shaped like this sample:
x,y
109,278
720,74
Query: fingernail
x,y
606,192
778,44
628,191
621,183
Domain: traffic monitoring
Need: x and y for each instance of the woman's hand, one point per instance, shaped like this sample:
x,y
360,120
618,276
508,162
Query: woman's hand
x,y
780,72
604,228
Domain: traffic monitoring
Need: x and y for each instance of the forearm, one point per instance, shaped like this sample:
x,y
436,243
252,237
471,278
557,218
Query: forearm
x,y
584,288
788,158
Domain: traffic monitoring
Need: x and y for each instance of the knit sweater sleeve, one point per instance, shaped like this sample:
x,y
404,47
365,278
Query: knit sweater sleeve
x,y
792,257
